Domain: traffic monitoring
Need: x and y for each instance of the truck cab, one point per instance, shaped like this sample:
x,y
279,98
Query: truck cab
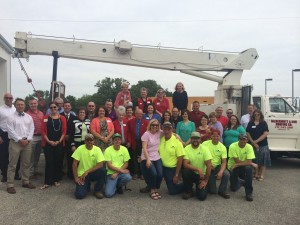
x,y
283,121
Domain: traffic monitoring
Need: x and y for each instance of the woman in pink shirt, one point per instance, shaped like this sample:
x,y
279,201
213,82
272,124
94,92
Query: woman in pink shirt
x,y
123,97
151,165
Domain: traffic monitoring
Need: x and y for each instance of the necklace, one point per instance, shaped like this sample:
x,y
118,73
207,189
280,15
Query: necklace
x,y
59,125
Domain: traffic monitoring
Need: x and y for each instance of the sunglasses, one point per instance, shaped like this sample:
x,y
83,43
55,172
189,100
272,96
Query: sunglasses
x,y
53,107
9,98
229,113
154,125
91,106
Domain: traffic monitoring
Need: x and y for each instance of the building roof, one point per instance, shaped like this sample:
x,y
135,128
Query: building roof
x,y
4,43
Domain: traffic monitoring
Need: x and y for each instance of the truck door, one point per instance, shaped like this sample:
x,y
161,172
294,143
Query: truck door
x,y
284,125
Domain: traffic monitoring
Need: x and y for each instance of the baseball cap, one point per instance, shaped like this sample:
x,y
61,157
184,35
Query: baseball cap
x,y
243,136
195,134
116,135
89,136
167,124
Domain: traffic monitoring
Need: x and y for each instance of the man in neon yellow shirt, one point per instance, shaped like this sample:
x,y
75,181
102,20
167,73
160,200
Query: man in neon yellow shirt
x,y
118,175
171,153
240,160
197,168
90,168
219,162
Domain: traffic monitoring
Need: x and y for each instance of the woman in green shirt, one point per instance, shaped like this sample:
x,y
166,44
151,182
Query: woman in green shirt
x,y
185,128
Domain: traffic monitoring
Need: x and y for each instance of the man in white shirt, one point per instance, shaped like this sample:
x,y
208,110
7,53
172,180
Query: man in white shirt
x,y
5,111
20,129
247,117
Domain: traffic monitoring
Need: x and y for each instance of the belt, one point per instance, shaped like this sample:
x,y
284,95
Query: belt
x,y
37,135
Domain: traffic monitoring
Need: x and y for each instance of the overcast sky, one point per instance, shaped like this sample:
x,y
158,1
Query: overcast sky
x,y
272,27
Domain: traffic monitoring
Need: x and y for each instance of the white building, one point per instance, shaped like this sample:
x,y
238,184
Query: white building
x,y
5,67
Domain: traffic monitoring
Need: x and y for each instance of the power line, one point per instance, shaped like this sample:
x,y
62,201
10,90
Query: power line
x,y
152,21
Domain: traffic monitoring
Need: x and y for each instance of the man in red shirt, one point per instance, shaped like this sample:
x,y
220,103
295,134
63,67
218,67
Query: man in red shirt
x,y
37,117
196,114
222,119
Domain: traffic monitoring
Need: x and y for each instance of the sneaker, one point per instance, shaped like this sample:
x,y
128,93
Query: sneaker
x,y
224,195
145,190
11,190
187,195
99,194
29,185
249,198
120,190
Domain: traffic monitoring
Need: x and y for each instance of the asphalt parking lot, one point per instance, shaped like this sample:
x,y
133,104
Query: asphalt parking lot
x,y
276,201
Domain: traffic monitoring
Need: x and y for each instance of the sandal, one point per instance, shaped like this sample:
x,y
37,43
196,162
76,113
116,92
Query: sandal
x,y
153,196
158,195
56,184
44,186
261,178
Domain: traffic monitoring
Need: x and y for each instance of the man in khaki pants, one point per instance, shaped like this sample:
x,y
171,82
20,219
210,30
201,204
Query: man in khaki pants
x,y
20,128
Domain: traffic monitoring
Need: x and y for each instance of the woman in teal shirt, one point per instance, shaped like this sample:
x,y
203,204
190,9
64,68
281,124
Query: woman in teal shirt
x,y
185,128
233,131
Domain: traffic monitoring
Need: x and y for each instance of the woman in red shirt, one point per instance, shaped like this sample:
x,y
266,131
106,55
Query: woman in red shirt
x,y
161,103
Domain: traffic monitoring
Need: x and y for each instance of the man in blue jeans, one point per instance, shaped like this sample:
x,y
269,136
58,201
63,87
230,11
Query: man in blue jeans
x,y
88,166
197,168
240,160
171,153
118,175
219,162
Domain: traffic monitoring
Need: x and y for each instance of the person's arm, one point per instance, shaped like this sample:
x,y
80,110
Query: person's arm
x,y
261,138
64,129
186,100
255,145
238,163
222,169
187,165
78,180
117,101
30,135
93,128
96,167
146,154
178,168
204,181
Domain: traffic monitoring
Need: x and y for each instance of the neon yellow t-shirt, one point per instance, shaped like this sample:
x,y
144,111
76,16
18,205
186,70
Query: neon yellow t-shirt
x,y
169,151
218,152
198,156
116,157
242,154
87,158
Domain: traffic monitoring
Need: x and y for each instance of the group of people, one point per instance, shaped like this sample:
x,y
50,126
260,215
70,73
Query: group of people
x,y
117,142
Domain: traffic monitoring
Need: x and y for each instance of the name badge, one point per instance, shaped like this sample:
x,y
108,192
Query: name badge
x,y
253,126
45,120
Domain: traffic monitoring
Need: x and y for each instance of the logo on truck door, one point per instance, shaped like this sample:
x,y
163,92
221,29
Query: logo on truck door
x,y
284,124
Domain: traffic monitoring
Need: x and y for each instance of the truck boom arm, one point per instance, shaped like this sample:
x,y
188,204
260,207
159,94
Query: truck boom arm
x,y
187,61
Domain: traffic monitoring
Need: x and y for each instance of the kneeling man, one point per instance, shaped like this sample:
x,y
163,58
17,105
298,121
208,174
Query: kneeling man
x,y
197,168
118,175
90,168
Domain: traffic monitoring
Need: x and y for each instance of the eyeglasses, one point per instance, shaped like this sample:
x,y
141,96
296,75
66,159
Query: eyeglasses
x,y
154,125
53,107
91,106
9,98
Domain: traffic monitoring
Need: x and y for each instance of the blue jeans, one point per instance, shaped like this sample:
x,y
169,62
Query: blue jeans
x,y
212,187
173,189
189,178
112,184
98,176
153,175
245,173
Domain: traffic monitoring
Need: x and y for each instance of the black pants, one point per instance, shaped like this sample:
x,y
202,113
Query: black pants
x,y
53,168
134,165
4,154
